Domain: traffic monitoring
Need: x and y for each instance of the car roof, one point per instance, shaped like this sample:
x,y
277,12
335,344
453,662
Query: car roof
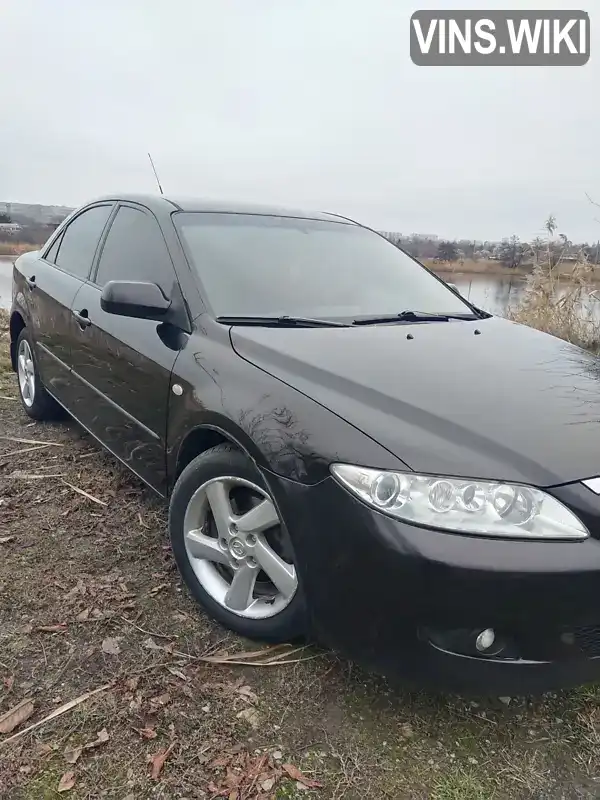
x,y
157,202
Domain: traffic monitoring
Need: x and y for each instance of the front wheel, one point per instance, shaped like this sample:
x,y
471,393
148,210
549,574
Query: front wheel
x,y
232,547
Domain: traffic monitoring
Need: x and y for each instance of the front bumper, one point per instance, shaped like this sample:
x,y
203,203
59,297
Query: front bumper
x,y
376,587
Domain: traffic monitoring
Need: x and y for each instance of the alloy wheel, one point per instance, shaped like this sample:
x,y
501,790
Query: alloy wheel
x,y
26,373
236,546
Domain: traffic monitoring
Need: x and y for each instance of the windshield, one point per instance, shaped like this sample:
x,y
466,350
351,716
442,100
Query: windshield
x,y
264,265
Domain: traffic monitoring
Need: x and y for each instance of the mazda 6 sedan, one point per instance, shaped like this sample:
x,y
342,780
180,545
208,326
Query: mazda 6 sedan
x,y
350,450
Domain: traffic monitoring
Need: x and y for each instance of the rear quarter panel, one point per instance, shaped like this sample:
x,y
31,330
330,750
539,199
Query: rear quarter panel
x,y
46,310
23,267
19,307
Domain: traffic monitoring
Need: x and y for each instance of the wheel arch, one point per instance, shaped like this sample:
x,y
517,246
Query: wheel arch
x,y
203,437
16,325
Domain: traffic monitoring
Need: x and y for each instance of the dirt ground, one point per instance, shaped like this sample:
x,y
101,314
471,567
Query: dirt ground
x,y
90,601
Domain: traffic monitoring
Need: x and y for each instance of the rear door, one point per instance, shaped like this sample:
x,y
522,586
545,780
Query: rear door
x,y
56,278
123,365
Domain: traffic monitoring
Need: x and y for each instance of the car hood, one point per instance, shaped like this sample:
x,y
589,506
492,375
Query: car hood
x,y
488,398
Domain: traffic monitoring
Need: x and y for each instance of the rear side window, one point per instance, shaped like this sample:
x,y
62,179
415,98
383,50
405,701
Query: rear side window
x,y
53,252
135,250
80,240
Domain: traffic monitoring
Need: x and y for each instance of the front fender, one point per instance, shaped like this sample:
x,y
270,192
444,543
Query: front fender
x,y
281,429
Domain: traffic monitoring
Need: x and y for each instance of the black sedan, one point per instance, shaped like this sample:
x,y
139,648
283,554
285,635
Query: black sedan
x,y
351,451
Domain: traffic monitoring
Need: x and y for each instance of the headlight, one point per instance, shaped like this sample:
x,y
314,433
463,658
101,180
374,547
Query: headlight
x,y
463,505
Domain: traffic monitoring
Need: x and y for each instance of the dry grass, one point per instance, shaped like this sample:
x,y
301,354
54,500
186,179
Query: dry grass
x,y
16,248
90,597
562,304
469,266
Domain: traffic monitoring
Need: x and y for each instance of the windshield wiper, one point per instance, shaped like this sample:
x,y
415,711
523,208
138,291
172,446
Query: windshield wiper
x,y
413,316
283,322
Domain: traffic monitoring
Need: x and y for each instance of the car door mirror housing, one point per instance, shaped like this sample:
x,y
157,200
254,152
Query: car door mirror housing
x,y
135,299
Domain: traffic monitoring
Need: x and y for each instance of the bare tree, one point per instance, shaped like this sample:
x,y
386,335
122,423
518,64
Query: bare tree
x,y
511,252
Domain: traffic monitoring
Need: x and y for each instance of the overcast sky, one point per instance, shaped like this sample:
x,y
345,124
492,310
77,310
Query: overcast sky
x,y
311,103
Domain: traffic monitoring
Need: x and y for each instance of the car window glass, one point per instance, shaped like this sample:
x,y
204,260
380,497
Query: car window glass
x,y
135,250
79,241
265,265
52,253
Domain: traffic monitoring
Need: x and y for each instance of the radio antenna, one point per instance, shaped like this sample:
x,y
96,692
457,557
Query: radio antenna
x,y
155,173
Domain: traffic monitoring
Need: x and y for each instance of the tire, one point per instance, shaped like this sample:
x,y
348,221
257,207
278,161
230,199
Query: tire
x,y
41,406
276,617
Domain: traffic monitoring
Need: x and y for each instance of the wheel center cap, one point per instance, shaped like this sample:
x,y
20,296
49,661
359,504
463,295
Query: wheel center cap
x,y
237,549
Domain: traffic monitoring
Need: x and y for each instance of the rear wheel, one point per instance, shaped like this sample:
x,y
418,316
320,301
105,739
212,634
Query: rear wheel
x,y
232,547
36,401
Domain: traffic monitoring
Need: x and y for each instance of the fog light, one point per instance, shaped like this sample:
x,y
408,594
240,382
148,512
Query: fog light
x,y
485,639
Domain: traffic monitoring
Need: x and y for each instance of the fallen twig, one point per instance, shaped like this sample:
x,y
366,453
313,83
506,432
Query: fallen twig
x,y
149,633
4,397
250,657
247,654
26,450
262,663
85,494
469,715
241,660
30,441
57,712
288,653
33,476
61,672
246,657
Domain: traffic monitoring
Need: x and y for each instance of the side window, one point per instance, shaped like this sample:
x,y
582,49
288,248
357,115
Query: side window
x,y
53,252
80,239
135,250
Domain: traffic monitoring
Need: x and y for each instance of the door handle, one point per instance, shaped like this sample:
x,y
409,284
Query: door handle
x,y
31,282
82,319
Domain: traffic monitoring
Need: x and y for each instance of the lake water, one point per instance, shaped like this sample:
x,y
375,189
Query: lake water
x,y
493,293
5,282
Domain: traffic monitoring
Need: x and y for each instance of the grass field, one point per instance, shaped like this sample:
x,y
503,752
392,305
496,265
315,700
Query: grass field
x,y
470,267
16,248
90,599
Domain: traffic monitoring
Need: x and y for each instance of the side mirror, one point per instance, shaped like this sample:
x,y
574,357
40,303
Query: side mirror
x,y
134,299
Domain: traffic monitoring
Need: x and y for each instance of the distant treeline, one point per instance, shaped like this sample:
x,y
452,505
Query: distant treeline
x,y
21,229
511,252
